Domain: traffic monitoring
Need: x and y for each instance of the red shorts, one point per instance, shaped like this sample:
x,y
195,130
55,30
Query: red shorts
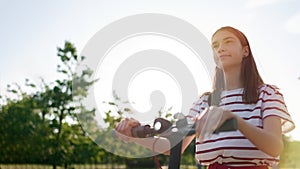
x,y
219,166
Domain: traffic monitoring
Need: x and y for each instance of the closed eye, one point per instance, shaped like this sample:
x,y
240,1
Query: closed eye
x,y
228,41
215,45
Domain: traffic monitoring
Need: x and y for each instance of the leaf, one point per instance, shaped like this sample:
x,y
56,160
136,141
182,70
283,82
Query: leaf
x,y
32,85
127,110
168,115
59,82
64,58
56,89
64,71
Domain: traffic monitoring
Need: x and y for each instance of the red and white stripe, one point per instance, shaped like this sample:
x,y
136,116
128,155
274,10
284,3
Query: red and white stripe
x,y
232,148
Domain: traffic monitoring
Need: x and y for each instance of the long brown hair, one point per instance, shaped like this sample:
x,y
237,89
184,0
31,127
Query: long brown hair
x,y
250,77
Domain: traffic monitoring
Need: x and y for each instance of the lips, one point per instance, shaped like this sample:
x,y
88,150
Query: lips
x,y
224,56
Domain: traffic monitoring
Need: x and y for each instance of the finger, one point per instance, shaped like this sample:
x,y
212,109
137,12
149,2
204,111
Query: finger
x,y
117,127
200,120
133,120
126,127
128,133
134,123
123,125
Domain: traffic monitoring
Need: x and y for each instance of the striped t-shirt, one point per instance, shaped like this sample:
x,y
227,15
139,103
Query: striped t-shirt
x,y
232,148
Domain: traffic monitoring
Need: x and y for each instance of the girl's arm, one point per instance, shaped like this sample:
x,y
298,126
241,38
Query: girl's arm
x,y
161,144
268,139
156,144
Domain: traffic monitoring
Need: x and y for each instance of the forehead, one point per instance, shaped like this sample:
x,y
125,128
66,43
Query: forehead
x,y
221,35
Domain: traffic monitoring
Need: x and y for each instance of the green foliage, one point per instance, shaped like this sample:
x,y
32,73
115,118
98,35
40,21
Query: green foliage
x,y
42,127
291,154
35,127
20,129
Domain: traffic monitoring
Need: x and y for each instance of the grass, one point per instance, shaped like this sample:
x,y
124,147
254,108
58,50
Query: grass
x,y
86,166
76,166
79,166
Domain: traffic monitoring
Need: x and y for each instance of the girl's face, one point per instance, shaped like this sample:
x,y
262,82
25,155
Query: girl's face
x,y
228,50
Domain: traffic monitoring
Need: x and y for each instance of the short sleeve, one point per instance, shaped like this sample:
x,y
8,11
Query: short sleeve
x,y
273,105
199,106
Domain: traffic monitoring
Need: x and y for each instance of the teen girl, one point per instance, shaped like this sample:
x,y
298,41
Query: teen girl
x,y
259,109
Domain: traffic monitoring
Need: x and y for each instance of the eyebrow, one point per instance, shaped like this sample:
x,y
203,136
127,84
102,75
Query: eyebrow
x,y
226,38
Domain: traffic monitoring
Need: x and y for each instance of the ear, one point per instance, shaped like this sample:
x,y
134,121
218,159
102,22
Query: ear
x,y
246,51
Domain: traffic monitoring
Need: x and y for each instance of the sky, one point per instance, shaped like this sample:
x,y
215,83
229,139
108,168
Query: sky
x,y
31,30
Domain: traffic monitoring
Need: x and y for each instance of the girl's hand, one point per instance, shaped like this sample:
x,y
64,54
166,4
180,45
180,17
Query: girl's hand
x,y
124,127
209,120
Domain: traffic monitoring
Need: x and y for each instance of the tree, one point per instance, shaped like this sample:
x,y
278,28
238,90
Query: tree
x,y
21,127
64,103
42,127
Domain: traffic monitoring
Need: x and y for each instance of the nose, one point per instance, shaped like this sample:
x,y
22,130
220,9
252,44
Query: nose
x,y
220,48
